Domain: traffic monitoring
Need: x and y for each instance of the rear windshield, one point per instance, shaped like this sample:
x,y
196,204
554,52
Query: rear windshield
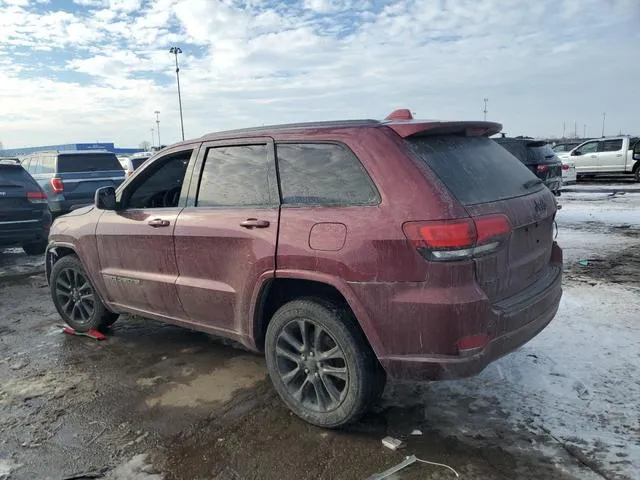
x,y
475,169
531,153
90,162
14,175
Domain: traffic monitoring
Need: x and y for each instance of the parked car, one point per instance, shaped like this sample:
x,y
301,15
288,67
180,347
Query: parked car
x,y
71,178
569,175
538,157
132,162
612,155
24,215
345,251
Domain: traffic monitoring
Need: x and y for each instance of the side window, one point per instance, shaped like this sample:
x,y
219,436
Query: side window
x,y
161,187
238,176
589,147
25,164
323,174
48,163
611,145
36,164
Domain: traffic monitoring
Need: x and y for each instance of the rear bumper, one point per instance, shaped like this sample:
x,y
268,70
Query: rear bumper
x,y
427,351
60,207
21,233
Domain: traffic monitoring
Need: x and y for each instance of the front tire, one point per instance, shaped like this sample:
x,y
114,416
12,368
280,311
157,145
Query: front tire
x,y
320,363
75,298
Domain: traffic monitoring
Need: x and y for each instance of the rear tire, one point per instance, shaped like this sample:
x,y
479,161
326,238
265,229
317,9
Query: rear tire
x,y
35,248
320,362
636,173
75,298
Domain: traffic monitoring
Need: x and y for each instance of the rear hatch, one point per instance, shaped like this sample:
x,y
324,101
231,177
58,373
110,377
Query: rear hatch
x,y
83,173
21,199
487,180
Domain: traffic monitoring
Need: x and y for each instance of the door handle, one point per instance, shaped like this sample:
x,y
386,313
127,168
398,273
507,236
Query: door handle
x,y
158,222
254,223
619,155
594,156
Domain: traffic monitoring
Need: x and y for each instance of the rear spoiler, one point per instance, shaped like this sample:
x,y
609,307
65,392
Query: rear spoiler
x,y
414,128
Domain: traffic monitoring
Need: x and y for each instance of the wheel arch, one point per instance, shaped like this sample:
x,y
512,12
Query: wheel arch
x,y
287,286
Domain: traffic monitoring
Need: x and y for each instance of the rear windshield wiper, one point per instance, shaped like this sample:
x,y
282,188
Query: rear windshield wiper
x,y
532,183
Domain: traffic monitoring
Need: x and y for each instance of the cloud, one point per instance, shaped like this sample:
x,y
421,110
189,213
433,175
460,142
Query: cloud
x,y
99,71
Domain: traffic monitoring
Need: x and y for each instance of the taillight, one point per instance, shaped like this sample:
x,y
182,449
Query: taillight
x,y
57,185
458,239
542,168
565,167
128,173
37,197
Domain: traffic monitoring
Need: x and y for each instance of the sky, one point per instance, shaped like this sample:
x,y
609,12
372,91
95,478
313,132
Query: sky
x,y
97,70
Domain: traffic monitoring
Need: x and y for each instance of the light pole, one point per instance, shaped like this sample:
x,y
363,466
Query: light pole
x,y
486,100
176,51
604,117
157,112
153,137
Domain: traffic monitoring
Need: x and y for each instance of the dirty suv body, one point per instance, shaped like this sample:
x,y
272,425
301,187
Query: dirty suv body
x,y
345,251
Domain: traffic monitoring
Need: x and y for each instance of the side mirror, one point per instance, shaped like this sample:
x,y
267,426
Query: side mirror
x,y
636,151
576,153
105,198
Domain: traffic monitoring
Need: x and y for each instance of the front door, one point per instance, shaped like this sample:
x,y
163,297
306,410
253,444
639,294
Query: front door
x,y
225,239
611,156
586,157
135,242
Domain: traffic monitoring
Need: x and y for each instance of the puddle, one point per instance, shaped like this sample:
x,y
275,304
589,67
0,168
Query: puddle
x,y
216,386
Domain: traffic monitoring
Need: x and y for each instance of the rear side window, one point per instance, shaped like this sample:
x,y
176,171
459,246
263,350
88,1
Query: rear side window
x,y
323,174
475,169
238,176
91,162
611,145
538,154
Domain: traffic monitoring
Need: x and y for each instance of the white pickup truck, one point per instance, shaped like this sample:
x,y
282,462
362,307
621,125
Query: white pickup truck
x,y
608,155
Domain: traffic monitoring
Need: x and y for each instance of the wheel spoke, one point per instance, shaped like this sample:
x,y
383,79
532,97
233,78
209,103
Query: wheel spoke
x,y
322,400
329,387
291,340
302,325
288,377
84,314
62,284
317,338
338,372
333,354
281,352
297,394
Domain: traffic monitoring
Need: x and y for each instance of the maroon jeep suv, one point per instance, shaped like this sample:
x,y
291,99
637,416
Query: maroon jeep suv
x,y
345,251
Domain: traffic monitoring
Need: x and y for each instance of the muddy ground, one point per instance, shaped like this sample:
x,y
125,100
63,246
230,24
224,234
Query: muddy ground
x,y
160,402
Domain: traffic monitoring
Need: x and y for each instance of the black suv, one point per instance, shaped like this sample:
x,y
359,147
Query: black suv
x,y
539,157
71,178
24,213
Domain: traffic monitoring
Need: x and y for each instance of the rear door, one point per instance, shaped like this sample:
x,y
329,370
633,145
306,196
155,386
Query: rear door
x,y
611,155
135,242
83,173
225,239
486,179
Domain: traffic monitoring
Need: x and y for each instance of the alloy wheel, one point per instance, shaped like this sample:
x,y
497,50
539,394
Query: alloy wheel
x,y
75,295
312,365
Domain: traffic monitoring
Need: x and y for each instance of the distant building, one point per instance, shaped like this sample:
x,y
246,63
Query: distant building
x,y
110,147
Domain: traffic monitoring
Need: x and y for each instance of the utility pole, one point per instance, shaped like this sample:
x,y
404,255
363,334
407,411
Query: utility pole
x,y
486,100
157,112
564,126
176,51
604,117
